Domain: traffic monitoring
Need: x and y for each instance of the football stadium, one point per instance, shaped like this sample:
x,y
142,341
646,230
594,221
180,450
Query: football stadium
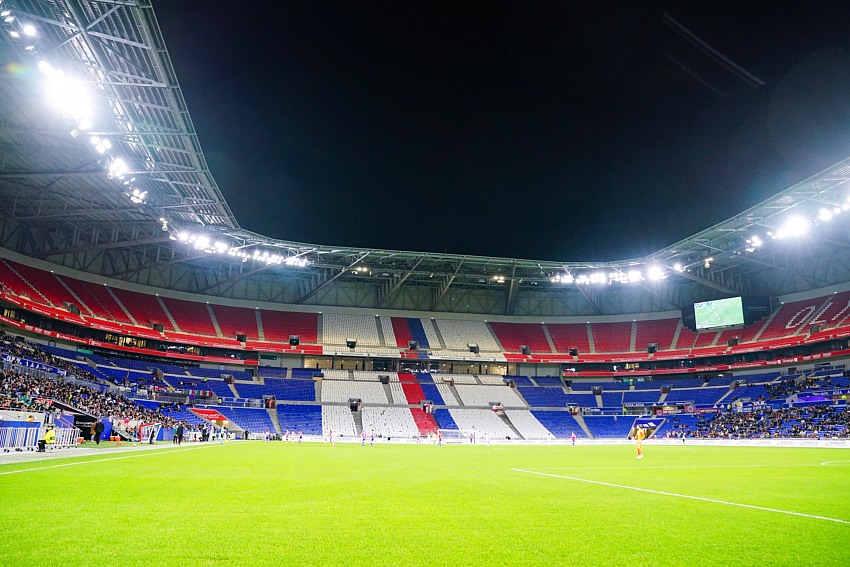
x,y
178,389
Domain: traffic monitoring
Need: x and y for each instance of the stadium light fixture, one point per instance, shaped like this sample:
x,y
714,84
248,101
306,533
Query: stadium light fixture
x,y
825,214
117,168
656,273
794,226
29,30
678,267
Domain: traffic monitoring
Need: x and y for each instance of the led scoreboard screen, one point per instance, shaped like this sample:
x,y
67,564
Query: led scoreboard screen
x,y
719,313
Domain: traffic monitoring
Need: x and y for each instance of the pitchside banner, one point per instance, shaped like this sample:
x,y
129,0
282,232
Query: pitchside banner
x,y
35,365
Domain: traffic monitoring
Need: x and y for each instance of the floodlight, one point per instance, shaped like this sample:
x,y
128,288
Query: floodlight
x,y
794,226
678,267
14,34
28,29
9,19
118,168
655,273
825,214
635,276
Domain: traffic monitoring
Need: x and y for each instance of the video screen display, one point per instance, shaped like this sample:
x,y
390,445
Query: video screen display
x,y
719,313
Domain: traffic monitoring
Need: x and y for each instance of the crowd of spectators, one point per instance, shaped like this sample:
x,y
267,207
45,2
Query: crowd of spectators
x,y
27,392
812,422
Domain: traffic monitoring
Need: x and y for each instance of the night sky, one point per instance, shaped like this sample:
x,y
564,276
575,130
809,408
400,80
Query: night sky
x,y
547,130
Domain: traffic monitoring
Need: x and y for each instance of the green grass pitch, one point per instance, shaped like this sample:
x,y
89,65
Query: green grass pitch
x,y
251,503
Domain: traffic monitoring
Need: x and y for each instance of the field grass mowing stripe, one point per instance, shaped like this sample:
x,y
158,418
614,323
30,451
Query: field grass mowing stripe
x,y
688,496
145,454
823,464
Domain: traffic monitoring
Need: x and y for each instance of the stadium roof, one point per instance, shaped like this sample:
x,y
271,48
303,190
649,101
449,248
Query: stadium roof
x,y
101,170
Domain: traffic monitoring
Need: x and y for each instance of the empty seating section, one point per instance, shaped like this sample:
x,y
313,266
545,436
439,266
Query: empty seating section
x,y
147,365
425,422
644,396
685,383
790,318
561,423
491,379
520,380
444,419
543,397
294,390
833,313
397,392
253,420
401,331
218,387
413,393
447,395
98,298
527,425
388,332
727,335
751,391
233,320
389,422
648,385
431,392
609,426
204,372
748,334
272,371
698,396
582,400
278,326
722,380
612,399
705,339
549,381
569,335
337,329
190,316
429,330
417,332
253,390
305,372
659,331
331,374
686,339
339,420
456,378
484,395
145,309
483,421
47,284
307,419
612,337
343,391
514,335
457,334
12,281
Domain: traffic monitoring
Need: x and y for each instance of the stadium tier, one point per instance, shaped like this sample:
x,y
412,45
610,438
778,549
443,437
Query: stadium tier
x,y
300,418
512,336
216,324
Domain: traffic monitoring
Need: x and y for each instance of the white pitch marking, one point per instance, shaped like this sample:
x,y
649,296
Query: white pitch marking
x,y
688,496
831,462
679,467
145,454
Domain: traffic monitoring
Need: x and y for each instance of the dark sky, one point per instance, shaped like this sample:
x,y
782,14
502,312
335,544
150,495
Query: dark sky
x,y
549,130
